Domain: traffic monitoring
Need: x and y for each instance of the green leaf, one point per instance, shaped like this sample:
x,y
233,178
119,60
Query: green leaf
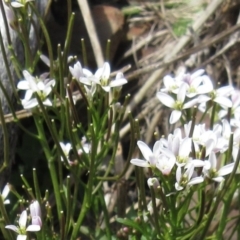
x,y
130,223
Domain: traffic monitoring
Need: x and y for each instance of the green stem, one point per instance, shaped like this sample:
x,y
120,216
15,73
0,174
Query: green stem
x,y
88,194
155,212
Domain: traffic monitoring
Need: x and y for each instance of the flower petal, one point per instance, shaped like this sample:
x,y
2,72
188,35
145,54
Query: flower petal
x,y
165,99
139,163
12,227
226,169
33,228
145,150
175,116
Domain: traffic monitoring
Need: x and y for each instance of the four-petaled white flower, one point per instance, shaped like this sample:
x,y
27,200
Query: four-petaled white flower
x,y
22,229
40,86
210,169
151,157
178,105
184,178
102,77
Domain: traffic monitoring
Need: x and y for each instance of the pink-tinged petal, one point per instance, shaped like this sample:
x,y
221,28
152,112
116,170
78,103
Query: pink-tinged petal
x,y
182,93
213,160
223,101
33,228
139,163
175,116
145,150
21,237
195,180
35,209
165,99
23,219
118,82
36,220
226,169
12,227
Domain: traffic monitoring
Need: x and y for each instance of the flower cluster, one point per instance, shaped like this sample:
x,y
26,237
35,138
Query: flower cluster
x,y
186,91
41,86
67,147
22,229
194,154
185,154
101,77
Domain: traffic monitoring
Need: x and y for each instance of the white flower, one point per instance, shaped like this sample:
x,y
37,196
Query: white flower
x,y
197,84
151,157
185,178
210,169
220,96
178,105
66,149
5,193
35,212
102,77
171,84
22,229
40,86
81,74
165,163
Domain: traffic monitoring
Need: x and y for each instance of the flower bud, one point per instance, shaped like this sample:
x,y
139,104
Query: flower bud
x,y
35,212
153,182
